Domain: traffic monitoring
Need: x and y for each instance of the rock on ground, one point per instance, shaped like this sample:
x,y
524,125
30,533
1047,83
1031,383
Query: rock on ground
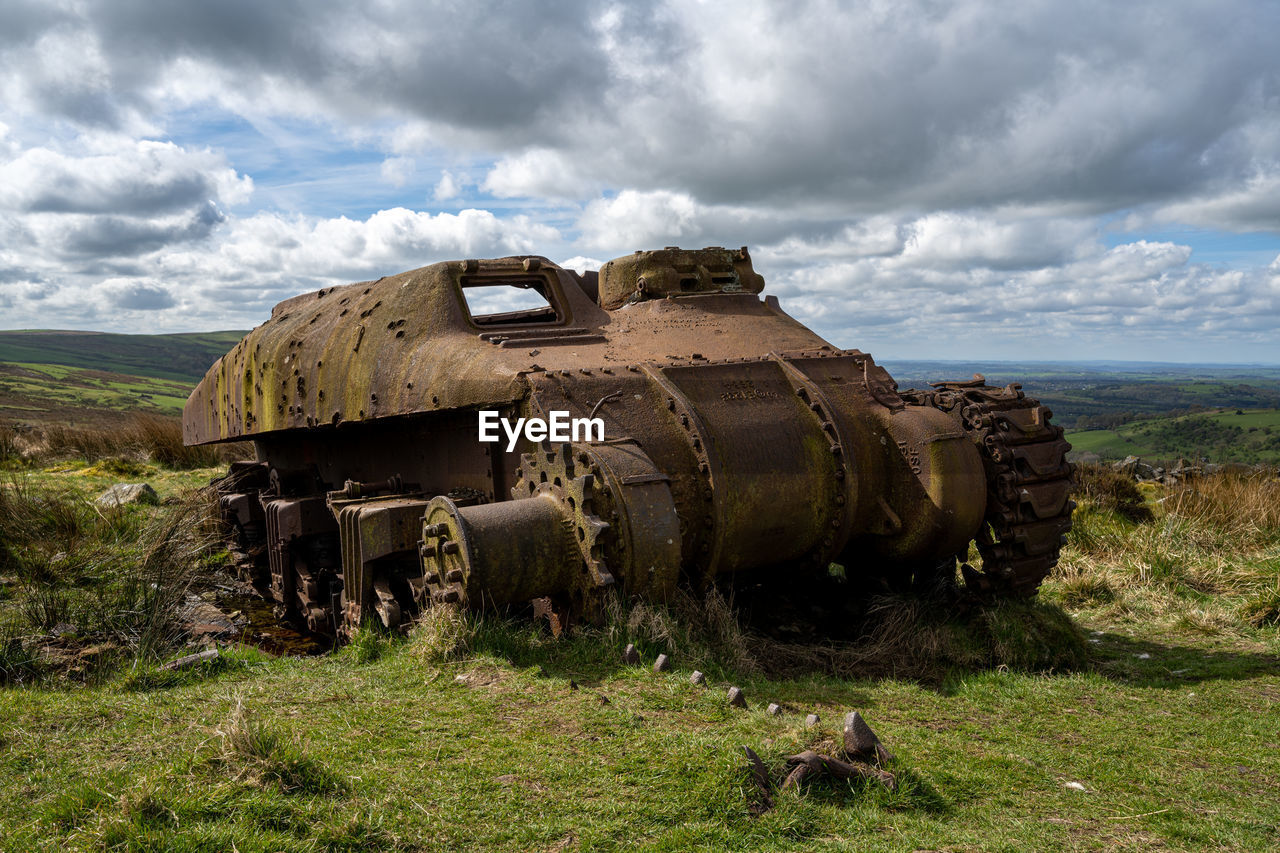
x,y
128,493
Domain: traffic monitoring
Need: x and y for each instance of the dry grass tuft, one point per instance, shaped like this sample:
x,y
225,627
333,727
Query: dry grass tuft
x,y
144,438
1242,510
703,631
9,447
174,545
907,637
1262,609
107,577
895,636
1111,490
1207,563
442,633
256,754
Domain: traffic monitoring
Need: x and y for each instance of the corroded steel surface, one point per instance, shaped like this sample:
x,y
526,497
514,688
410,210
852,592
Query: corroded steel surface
x,y
735,441
406,344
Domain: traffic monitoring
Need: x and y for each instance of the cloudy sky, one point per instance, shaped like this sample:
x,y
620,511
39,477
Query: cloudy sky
x,y
998,180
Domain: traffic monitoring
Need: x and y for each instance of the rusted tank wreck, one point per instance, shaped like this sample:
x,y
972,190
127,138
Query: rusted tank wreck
x,y
735,441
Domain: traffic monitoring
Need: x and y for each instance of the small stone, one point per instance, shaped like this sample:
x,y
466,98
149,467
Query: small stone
x,y
860,742
1143,656
736,699
774,709
1075,786
764,784
128,493
460,679
697,678
630,656
812,720
662,664
190,660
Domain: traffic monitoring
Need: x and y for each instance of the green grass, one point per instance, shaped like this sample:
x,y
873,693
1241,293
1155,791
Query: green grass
x,y
85,377
86,589
1148,673
181,358
1221,436
33,391
88,480
401,753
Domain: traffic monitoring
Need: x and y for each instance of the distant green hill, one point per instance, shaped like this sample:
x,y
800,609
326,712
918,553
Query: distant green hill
x,y
181,358
91,377
1227,435
1093,395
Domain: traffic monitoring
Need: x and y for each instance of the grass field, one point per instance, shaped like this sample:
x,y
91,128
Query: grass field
x,y
1119,391
31,392
89,378
1252,436
394,750
1132,707
180,358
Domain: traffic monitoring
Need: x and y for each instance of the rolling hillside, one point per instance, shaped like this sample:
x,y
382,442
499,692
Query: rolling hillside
x,y
91,377
181,358
1090,395
1224,435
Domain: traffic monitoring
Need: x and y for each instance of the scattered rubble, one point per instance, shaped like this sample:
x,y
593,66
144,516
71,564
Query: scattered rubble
x,y
1181,471
810,763
205,621
861,758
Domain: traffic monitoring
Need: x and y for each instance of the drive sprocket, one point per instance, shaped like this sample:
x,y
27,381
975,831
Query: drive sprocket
x,y
575,483
1028,509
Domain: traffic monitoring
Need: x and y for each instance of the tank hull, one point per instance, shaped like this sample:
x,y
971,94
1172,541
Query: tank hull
x,y
728,440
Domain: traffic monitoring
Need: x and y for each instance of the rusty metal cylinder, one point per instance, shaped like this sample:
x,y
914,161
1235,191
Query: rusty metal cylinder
x,y
772,469
937,485
499,553
775,496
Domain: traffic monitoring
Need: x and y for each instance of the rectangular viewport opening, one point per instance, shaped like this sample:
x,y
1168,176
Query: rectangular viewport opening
x,y
514,300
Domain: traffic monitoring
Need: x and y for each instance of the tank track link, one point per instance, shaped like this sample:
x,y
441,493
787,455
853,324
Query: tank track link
x,y
1028,482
